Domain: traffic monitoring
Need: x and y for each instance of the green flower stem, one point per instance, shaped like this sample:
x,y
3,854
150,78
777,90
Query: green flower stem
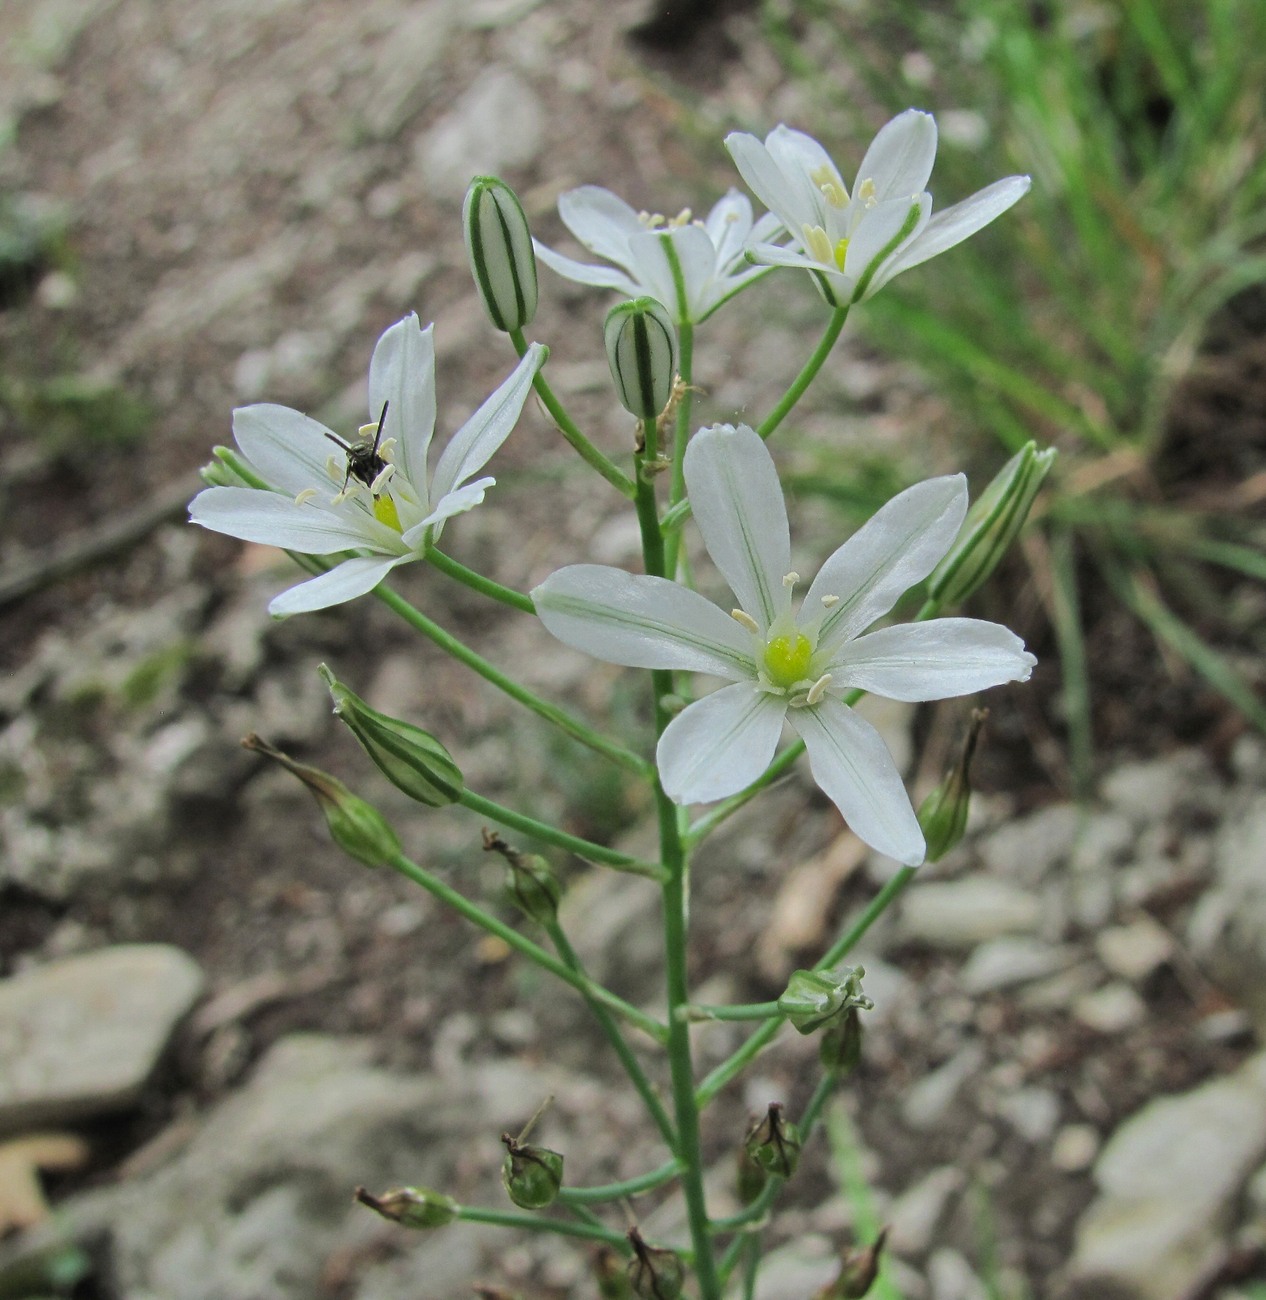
x,y
477,582
681,437
567,427
807,374
759,1208
734,1064
614,1191
673,855
738,1011
534,952
582,848
751,1264
632,1067
536,1223
542,708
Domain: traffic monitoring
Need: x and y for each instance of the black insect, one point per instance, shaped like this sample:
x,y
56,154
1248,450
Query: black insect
x,y
363,461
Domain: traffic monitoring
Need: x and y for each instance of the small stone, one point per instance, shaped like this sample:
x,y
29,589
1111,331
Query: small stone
x,y
1111,1010
926,1103
960,914
1030,847
1102,842
917,1213
950,1277
1010,960
1136,950
1032,1112
1147,791
1075,1148
81,1036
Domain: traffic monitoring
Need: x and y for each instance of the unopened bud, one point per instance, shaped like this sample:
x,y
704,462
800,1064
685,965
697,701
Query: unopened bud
x,y
992,524
229,468
749,1177
642,352
410,758
774,1143
858,1271
358,828
943,814
531,1175
499,246
817,997
414,1207
840,1047
531,884
654,1274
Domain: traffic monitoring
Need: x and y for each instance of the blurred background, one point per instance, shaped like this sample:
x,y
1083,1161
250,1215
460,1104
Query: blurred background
x,y
213,1025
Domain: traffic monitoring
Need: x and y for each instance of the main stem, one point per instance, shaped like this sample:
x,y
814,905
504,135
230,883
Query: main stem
x,y
675,887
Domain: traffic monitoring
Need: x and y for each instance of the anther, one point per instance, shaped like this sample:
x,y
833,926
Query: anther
x,y
334,469
744,619
305,496
789,580
384,477
817,243
867,192
828,601
818,689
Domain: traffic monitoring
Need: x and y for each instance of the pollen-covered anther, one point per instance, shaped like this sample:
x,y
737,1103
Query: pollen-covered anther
x,y
387,449
867,192
818,689
833,189
308,494
789,580
384,477
744,619
828,601
335,469
818,243
683,218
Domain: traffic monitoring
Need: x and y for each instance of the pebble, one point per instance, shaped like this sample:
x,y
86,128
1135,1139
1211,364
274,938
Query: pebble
x,y
1075,1148
1010,960
1030,847
951,1277
927,1101
1136,950
915,1216
1111,1009
81,1036
1032,1112
959,914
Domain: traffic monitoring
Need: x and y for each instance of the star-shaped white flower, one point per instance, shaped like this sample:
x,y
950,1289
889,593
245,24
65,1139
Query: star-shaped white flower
x,y
373,496
786,666
710,253
838,237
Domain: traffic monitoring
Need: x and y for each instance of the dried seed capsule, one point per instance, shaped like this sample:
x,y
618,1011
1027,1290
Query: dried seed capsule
x,y
531,1175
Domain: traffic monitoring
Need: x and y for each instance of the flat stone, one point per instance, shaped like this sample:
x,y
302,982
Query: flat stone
x,y
915,1215
928,1100
1011,960
1135,950
1168,1180
957,914
1032,1112
1111,1010
1031,846
81,1036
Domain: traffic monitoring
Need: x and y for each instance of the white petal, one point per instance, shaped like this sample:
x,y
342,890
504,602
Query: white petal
x,y
880,228
788,255
957,223
932,661
728,225
804,163
900,157
602,221
287,448
475,442
273,520
737,503
720,744
899,546
402,374
601,277
648,259
766,228
852,765
698,258
642,622
790,203
457,502
352,578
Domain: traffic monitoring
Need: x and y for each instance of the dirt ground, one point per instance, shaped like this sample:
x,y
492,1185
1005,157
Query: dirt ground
x,y
253,191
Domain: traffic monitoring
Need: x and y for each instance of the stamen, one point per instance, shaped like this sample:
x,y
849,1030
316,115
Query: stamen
x,y
384,477
828,601
305,496
334,469
867,192
818,689
366,431
833,189
386,450
789,580
744,619
764,684
683,218
816,243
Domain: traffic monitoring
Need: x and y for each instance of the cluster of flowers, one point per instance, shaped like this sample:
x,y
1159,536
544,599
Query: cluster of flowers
x,y
374,504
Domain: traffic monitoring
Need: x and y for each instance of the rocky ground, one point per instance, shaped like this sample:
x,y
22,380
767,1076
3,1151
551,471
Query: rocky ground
x,y
213,1025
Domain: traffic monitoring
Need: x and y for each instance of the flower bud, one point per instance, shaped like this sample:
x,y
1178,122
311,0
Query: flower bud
x,y
840,1047
531,1175
858,1271
499,246
817,997
992,524
410,758
642,352
531,884
749,1177
774,1143
943,814
414,1207
653,1273
229,468
358,828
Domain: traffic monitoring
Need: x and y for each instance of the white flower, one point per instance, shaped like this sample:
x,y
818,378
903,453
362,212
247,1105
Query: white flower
x,y
710,253
838,237
332,496
785,666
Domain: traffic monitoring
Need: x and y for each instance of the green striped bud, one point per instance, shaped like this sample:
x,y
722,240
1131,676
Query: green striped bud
x,y
642,352
943,814
357,827
814,998
410,758
499,246
992,524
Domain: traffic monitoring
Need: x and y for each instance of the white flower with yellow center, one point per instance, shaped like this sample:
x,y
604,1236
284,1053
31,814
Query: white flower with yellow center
x,y
785,665
853,244
690,266
372,496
